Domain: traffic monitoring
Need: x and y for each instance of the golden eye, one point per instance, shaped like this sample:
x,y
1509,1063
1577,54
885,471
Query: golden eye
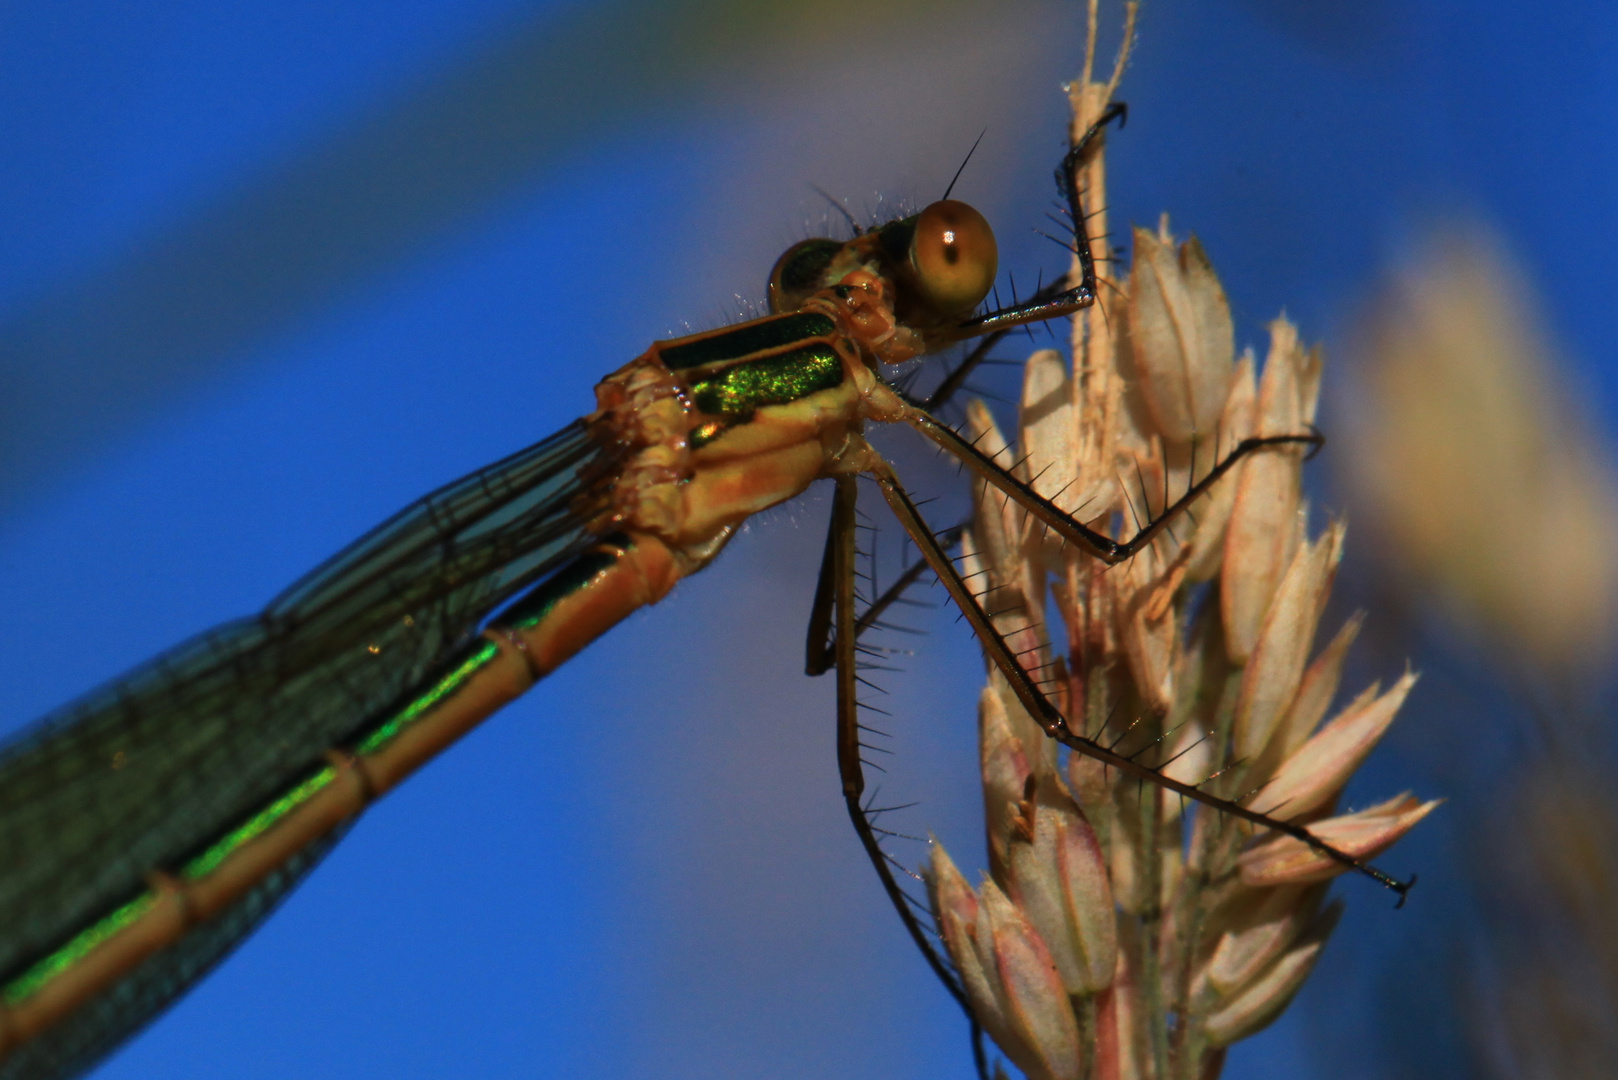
x,y
954,255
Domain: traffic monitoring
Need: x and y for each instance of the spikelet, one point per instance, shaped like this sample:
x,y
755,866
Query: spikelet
x,y
1119,934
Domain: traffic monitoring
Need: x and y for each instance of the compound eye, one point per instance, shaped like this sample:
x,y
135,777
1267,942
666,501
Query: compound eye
x,y
799,272
954,255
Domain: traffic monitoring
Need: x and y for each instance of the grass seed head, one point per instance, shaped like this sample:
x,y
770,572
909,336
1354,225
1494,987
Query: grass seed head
x,y
1120,934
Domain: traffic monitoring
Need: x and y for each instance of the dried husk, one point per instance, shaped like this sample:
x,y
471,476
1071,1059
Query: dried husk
x,y
1118,925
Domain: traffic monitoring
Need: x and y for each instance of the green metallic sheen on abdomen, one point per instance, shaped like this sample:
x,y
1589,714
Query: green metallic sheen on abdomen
x,y
529,611
472,659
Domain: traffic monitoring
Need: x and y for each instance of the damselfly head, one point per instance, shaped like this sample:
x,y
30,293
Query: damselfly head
x,y
953,257
941,264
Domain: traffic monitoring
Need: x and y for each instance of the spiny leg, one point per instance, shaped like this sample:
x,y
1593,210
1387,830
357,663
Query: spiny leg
x,y
1082,295
955,381
1050,718
818,648
850,766
1087,540
895,592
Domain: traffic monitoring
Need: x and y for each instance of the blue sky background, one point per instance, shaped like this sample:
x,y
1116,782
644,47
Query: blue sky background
x,y
268,272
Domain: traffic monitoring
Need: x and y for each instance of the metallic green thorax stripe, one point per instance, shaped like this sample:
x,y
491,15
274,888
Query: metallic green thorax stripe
x,y
763,335
526,612
735,394
739,391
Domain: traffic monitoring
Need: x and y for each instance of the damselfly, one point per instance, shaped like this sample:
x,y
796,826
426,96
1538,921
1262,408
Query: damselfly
x,y
149,826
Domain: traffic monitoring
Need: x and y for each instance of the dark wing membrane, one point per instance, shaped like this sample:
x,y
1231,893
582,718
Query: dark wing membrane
x,y
71,1047
142,772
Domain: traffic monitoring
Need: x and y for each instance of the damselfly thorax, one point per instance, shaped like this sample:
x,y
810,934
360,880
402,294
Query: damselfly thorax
x,y
713,428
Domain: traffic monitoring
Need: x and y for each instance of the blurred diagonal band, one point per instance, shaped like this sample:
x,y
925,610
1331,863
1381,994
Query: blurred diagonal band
x,y
98,354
